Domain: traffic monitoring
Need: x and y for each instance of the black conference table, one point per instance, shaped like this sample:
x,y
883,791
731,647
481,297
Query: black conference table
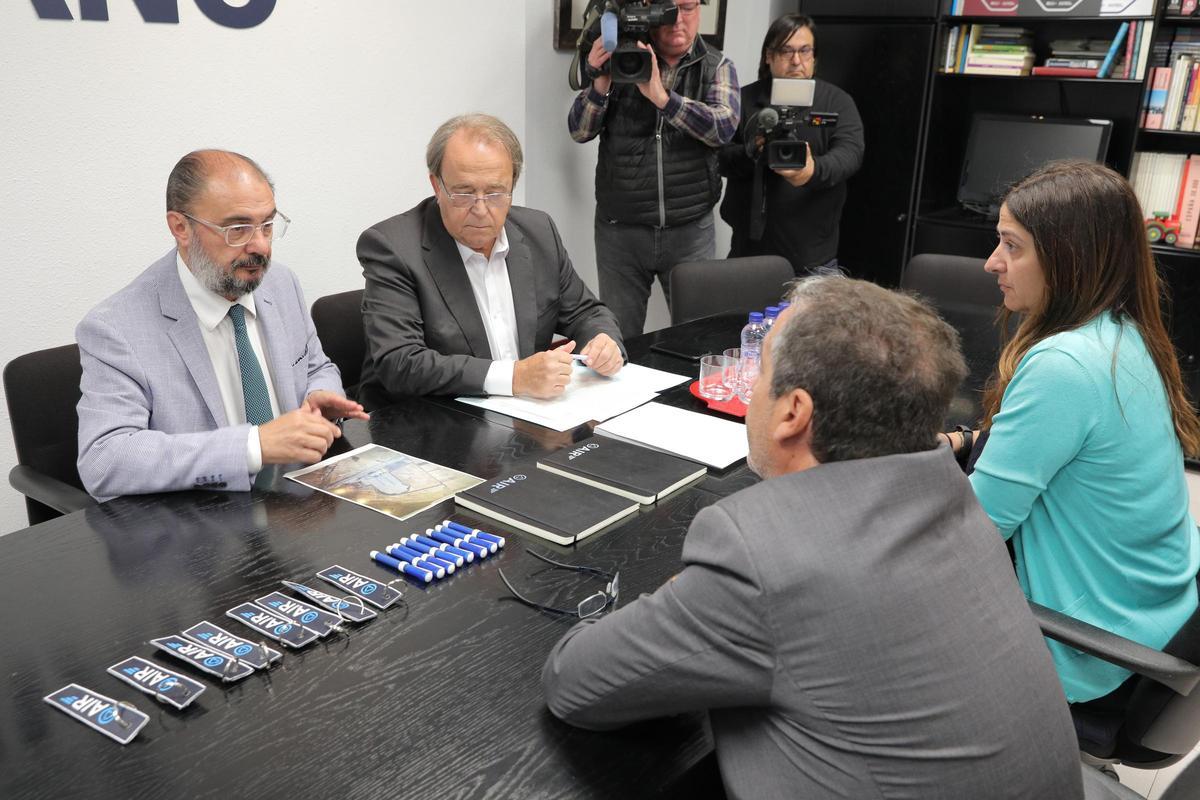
x,y
438,697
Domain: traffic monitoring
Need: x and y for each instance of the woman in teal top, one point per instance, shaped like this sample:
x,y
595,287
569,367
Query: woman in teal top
x,y
1087,419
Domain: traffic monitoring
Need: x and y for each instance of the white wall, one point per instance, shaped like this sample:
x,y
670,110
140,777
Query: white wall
x,y
335,98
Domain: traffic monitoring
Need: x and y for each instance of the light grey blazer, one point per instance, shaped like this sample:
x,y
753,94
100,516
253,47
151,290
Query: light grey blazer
x,y
855,630
151,417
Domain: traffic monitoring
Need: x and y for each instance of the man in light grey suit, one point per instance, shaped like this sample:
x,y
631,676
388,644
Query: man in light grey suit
x,y
207,365
464,292
852,623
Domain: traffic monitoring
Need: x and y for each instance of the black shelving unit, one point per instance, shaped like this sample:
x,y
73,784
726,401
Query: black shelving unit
x,y
940,226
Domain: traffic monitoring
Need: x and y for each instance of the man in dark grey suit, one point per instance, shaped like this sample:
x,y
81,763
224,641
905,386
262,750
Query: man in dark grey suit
x,y
852,623
464,292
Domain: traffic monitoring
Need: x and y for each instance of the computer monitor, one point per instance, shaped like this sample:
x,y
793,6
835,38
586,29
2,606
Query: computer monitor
x,y
1002,149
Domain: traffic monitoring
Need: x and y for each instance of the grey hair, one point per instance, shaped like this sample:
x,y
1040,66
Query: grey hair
x,y
880,366
190,174
483,126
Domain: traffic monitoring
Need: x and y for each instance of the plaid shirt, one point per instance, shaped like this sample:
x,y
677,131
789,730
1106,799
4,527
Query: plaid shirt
x,y
713,120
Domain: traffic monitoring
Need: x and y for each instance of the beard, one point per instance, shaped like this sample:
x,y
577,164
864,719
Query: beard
x,y
225,282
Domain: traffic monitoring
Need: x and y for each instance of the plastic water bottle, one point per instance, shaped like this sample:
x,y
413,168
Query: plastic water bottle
x,y
769,317
751,349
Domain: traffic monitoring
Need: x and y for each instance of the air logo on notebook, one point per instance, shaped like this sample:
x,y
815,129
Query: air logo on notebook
x,y
506,482
581,450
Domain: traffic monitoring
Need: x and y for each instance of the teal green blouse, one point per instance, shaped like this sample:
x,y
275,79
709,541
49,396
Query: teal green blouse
x,y
1083,471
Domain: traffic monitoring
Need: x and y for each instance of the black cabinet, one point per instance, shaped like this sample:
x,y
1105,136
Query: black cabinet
x,y
885,65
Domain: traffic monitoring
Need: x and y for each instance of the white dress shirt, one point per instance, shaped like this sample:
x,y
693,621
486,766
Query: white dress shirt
x,y
493,295
216,328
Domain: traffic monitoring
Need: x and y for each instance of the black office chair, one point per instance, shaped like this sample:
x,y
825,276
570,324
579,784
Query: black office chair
x,y
42,389
338,320
968,299
1159,722
703,288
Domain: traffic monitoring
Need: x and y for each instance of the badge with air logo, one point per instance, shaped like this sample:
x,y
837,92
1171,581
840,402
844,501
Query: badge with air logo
x,y
162,684
118,721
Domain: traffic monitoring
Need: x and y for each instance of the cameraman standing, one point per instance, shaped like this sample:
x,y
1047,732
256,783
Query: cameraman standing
x,y
657,176
800,208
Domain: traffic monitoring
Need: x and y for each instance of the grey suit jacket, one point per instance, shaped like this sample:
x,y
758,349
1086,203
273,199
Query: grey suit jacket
x,y
855,630
151,417
424,332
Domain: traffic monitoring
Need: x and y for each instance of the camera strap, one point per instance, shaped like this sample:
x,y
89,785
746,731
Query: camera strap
x,y
591,16
758,202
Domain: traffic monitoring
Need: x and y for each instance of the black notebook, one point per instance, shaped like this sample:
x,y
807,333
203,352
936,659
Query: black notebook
x,y
544,504
623,468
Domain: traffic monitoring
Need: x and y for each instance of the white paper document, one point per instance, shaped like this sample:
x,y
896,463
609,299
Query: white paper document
x,y
699,437
589,396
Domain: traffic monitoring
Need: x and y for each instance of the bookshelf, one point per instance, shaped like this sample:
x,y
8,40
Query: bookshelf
x,y
939,225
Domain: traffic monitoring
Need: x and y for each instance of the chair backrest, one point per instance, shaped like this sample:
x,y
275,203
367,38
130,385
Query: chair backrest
x,y
703,288
338,320
42,390
966,297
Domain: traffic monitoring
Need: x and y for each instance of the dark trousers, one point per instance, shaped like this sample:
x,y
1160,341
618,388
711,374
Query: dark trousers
x,y
629,257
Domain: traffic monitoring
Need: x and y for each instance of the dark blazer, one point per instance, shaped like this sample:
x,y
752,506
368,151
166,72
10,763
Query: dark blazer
x,y
853,630
424,332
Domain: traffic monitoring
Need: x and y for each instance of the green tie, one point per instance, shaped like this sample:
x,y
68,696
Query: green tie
x,y
254,387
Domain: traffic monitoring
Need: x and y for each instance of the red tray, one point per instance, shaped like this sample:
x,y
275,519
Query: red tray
x,y
733,406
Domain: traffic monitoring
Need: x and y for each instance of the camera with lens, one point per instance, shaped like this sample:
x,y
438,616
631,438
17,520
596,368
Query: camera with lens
x,y
780,123
623,24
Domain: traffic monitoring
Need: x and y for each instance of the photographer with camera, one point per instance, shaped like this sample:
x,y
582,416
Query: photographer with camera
x,y
793,212
661,121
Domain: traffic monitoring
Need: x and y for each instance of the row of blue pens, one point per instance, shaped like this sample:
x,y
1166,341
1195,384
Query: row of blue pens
x,y
443,549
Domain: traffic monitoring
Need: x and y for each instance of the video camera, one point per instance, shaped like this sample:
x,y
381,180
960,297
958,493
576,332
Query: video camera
x,y
779,123
622,24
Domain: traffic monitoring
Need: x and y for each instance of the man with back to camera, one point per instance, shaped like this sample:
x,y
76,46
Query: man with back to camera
x,y
851,623
207,366
464,292
657,177
799,209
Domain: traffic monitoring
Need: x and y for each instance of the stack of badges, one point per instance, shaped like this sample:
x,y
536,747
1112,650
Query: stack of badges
x,y
437,553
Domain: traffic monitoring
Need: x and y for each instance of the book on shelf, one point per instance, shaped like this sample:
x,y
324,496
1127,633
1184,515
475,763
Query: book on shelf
x,y
539,502
1065,72
1189,205
1106,69
1187,8
988,50
1156,98
623,468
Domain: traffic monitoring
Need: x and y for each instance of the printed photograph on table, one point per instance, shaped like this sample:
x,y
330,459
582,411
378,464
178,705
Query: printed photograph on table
x,y
385,480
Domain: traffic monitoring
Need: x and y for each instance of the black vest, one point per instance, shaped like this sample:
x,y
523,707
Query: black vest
x,y
642,179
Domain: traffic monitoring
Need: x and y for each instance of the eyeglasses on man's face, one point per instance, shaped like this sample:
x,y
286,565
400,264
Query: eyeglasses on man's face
x,y
688,8
589,606
241,234
788,53
468,199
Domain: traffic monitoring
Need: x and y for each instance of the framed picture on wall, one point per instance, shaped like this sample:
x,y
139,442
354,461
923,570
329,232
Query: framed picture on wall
x,y
568,16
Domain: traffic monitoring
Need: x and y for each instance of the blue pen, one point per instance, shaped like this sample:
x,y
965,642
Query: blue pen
x,y
433,554
468,538
452,543
457,541
422,575
425,556
452,552
483,536
416,559
437,549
